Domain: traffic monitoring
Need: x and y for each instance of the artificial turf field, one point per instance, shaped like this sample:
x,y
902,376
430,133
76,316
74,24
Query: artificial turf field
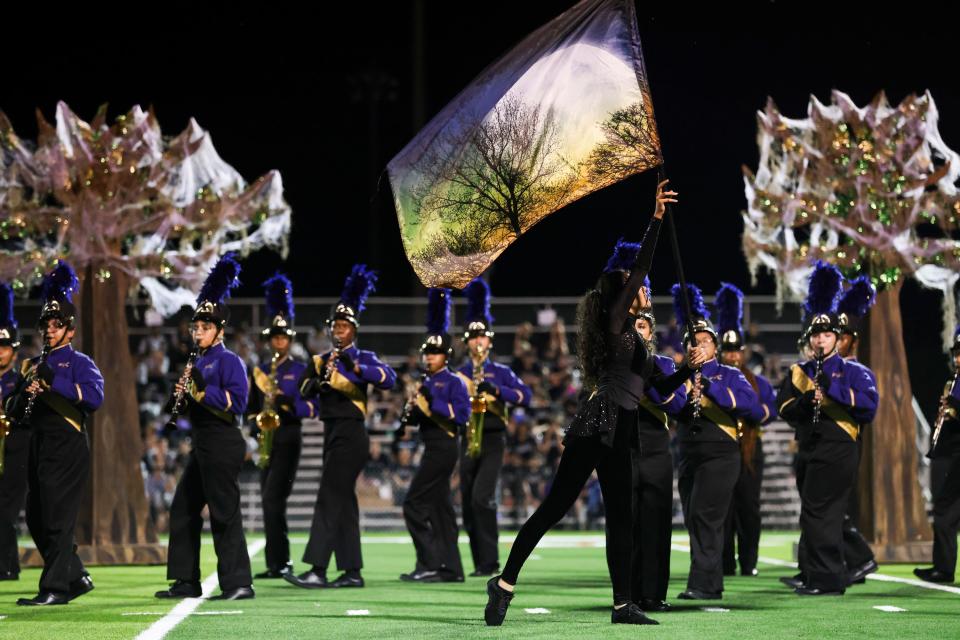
x,y
566,579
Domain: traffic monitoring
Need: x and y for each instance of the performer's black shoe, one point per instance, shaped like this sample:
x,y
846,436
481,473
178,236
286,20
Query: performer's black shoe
x,y
934,575
9,575
483,573
655,605
422,575
498,600
750,573
696,594
347,580
240,593
815,591
308,579
181,589
79,587
43,599
859,574
271,574
630,614
794,582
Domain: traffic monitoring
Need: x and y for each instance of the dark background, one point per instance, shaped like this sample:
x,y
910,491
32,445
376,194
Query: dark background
x,y
327,95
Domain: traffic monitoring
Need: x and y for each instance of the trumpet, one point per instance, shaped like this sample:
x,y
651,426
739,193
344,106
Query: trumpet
x,y
28,411
326,377
268,420
478,405
179,400
816,385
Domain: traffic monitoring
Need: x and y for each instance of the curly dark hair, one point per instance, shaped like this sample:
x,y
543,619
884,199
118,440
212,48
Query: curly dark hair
x,y
592,319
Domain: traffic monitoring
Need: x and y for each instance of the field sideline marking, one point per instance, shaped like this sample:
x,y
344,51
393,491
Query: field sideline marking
x,y
185,607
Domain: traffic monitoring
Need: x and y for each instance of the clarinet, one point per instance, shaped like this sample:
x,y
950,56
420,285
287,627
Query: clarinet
x,y
411,403
697,394
28,411
816,384
326,376
179,397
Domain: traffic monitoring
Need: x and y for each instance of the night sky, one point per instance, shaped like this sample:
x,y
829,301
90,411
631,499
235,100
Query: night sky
x,y
328,96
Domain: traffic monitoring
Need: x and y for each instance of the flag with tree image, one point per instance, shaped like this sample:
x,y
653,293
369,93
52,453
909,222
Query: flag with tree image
x,y
565,113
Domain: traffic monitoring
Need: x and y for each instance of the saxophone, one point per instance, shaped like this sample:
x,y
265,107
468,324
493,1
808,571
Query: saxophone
x,y
326,377
943,412
478,405
179,400
268,420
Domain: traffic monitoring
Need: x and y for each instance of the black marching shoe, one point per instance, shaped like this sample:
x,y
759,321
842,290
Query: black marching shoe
x,y
240,593
308,579
859,574
482,573
749,573
696,594
630,614
271,574
181,589
794,582
815,591
346,580
43,599
421,575
498,599
934,575
79,587
9,575
655,605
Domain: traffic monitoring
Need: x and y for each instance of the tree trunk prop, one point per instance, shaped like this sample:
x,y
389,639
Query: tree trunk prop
x,y
114,525
892,509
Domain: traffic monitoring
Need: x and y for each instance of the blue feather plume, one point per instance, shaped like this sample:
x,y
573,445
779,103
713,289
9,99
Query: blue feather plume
x,y
6,306
857,300
697,306
223,277
279,296
624,256
478,302
825,285
358,286
60,284
438,311
729,304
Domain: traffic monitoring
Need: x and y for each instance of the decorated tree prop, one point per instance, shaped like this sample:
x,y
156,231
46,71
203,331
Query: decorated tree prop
x,y
871,190
136,213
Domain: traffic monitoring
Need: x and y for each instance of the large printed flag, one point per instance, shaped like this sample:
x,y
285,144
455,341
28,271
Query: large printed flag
x,y
566,112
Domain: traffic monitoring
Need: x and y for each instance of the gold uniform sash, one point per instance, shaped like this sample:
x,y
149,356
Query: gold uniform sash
x,y
449,426
339,382
710,410
656,411
834,410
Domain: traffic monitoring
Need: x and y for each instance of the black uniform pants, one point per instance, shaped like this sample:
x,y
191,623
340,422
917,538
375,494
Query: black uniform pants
x,y
579,459
336,514
742,529
478,490
13,491
945,481
708,473
276,483
652,518
428,508
210,479
856,550
826,472
57,474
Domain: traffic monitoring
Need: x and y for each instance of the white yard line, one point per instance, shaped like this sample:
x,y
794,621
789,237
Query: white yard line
x,y
185,607
888,608
873,576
